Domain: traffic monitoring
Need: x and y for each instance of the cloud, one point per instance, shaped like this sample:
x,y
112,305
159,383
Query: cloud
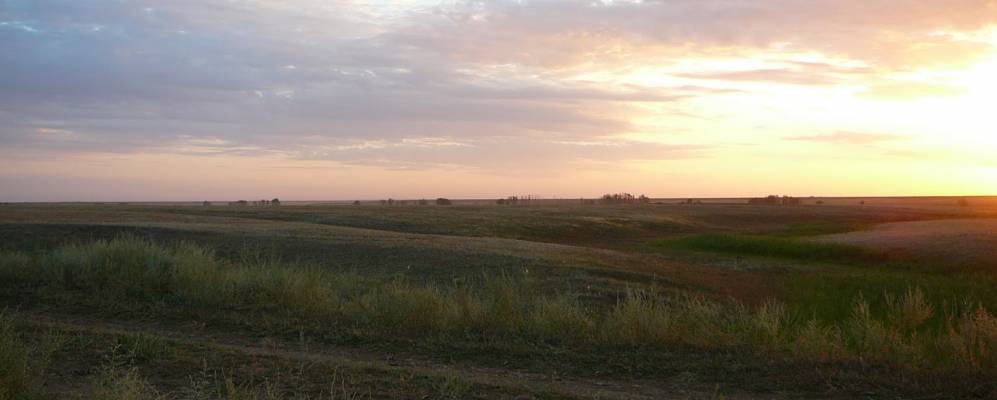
x,y
912,90
144,75
765,75
304,78
850,138
507,155
558,33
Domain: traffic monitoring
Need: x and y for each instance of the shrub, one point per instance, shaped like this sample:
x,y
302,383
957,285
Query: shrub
x,y
909,312
970,341
638,318
117,382
822,343
128,266
409,311
504,305
560,319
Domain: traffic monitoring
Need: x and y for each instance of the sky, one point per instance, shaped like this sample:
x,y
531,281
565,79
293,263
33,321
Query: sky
x,y
140,100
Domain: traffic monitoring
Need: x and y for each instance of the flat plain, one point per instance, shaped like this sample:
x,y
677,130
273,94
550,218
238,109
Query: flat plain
x,y
873,298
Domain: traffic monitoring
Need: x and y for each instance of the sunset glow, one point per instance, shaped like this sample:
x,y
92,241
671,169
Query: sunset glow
x,y
308,99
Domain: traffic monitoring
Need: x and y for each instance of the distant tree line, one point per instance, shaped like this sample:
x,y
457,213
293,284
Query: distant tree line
x,y
256,203
773,200
513,200
392,202
623,198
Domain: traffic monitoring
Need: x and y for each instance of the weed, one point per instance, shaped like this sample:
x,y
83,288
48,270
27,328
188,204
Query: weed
x,y
116,379
452,386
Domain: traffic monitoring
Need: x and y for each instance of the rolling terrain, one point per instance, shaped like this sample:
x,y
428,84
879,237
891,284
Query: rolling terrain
x,y
549,300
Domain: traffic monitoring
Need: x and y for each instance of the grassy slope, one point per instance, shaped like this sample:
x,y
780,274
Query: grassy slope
x,y
600,226
136,363
290,235
840,273
499,315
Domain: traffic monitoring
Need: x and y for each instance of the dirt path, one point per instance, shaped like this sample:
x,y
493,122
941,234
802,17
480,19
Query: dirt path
x,y
361,359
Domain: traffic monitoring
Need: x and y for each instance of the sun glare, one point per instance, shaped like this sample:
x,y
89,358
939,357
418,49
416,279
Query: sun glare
x,y
980,100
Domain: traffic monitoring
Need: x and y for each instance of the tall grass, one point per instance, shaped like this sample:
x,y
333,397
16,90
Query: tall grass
x,y
506,309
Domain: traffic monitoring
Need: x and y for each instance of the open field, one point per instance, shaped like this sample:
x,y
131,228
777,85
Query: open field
x,y
956,242
889,298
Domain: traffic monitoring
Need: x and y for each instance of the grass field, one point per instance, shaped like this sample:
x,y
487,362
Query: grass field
x,y
550,300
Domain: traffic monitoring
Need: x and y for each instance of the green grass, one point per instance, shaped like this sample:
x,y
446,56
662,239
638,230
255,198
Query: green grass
x,y
829,295
23,363
416,262
772,246
836,317
506,310
573,224
828,292
109,366
816,228
17,374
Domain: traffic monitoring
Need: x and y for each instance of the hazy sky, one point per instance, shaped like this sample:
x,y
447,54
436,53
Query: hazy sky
x,y
309,99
